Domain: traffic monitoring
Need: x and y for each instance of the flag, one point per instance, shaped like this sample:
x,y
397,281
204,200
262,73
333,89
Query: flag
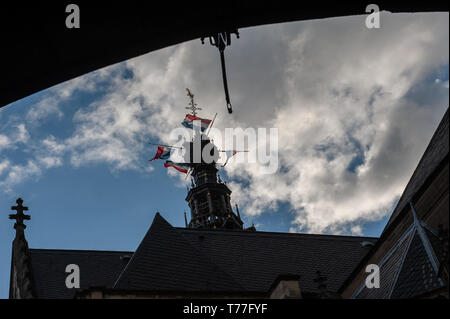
x,y
162,153
189,122
181,167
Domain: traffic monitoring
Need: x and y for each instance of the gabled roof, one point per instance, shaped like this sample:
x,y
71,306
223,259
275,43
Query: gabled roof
x,y
183,259
406,270
417,275
97,268
165,261
389,265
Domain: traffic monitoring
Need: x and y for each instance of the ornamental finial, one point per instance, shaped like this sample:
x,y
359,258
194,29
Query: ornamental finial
x,y
193,106
19,216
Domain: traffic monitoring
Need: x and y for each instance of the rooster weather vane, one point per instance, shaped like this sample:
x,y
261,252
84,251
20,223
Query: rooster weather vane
x,y
221,40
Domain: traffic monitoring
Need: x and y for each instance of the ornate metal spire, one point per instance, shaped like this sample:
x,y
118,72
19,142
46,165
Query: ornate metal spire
x,y
193,106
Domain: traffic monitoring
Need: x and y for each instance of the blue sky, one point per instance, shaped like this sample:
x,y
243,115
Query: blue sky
x,y
355,110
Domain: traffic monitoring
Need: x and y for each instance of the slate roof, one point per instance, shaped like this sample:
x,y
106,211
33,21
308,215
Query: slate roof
x,y
97,268
417,275
165,261
389,268
405,272
433,156
183,259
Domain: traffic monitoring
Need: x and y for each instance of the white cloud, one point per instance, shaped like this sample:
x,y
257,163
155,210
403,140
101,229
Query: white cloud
x,y
18,134
336,90
50,105
4,142
38,159
3,166
46,107
51,145
22,135
50,162
346,95
18,174
355,109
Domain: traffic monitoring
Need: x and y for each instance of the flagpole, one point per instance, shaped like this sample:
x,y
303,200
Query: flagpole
x,y
165,145
188,173
211,125
228,157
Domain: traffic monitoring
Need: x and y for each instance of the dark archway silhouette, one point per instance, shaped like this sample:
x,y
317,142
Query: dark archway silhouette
x,y
38,51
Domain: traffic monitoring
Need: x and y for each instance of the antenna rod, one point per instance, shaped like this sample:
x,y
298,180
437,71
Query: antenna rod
x,y
188,173
211,125
166,145
237,209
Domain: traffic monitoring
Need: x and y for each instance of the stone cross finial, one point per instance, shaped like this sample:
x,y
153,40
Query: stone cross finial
x,y
19,216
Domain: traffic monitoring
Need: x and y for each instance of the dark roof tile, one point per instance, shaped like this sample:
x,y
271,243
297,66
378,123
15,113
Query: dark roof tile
x,y
97,268
185,259
166,261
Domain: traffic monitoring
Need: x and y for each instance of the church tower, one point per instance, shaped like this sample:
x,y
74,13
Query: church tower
x,y
209,196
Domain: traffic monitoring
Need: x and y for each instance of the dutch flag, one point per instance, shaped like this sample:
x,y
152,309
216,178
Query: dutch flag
x,y
181,167
189,122
162,153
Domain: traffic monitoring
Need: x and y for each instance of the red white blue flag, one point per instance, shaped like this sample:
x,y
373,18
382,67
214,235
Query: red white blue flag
x,y
162,153
181,167
189,122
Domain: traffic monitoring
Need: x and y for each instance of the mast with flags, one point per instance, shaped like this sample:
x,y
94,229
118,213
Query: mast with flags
x,y
191,121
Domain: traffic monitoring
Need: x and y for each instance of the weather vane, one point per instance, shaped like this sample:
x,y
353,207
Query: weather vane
x,y
193,106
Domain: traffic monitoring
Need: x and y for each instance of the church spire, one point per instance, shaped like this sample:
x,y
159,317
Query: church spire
x,y
209,200
22,286
209,196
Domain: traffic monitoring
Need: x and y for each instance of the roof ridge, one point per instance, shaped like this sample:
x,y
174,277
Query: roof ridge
x,y
244,233
155,219
43,250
